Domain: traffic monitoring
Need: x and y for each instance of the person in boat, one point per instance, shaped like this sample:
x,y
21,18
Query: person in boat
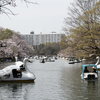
x,y
43,60
94,70
86,70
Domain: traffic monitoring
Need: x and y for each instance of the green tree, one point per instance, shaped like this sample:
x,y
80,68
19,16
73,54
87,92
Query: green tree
x,y
84,26
64,43
56,47
39,48
49,49
5,33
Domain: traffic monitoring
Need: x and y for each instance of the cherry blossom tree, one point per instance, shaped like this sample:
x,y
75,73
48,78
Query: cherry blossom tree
x,y
15,46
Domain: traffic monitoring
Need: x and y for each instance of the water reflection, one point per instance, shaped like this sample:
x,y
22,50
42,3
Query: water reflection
x,y
90,89
54,81
13,91
73,88
71,82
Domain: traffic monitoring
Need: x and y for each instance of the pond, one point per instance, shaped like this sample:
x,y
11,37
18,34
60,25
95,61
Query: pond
x,y
54,81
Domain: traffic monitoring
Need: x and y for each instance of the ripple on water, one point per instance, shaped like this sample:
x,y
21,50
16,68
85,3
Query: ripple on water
x,y
54,81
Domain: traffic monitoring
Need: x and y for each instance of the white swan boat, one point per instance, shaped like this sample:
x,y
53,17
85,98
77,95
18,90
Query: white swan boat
x,y
71,61
17,73
97,63
88,72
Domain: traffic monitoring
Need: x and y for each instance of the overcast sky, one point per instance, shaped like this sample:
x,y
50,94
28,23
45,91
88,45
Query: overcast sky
x,y
46,17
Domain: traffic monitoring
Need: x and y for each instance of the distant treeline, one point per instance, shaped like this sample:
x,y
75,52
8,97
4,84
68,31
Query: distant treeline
x,y
47,49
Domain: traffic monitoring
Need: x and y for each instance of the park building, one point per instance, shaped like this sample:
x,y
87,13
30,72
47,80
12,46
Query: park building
x,y
37,39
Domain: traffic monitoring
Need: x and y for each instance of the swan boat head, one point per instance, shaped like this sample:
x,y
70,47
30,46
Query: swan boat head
x,y
97,60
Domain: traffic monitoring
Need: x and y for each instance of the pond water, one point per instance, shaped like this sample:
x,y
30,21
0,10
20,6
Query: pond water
x,y
54,81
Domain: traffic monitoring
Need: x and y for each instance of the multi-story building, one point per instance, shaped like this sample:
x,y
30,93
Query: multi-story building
x,y
37,39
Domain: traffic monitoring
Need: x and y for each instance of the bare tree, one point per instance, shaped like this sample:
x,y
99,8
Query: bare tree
x,y
76,10
4,5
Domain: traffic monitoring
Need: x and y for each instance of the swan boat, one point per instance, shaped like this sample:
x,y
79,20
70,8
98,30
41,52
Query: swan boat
x,y
88,72
76,61
71,61
97,63
42,60
17,73
49,59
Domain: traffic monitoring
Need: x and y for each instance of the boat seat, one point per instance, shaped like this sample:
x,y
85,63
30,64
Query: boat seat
x,y
16,73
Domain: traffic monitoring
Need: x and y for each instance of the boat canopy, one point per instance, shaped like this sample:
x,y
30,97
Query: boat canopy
x,y
87,65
